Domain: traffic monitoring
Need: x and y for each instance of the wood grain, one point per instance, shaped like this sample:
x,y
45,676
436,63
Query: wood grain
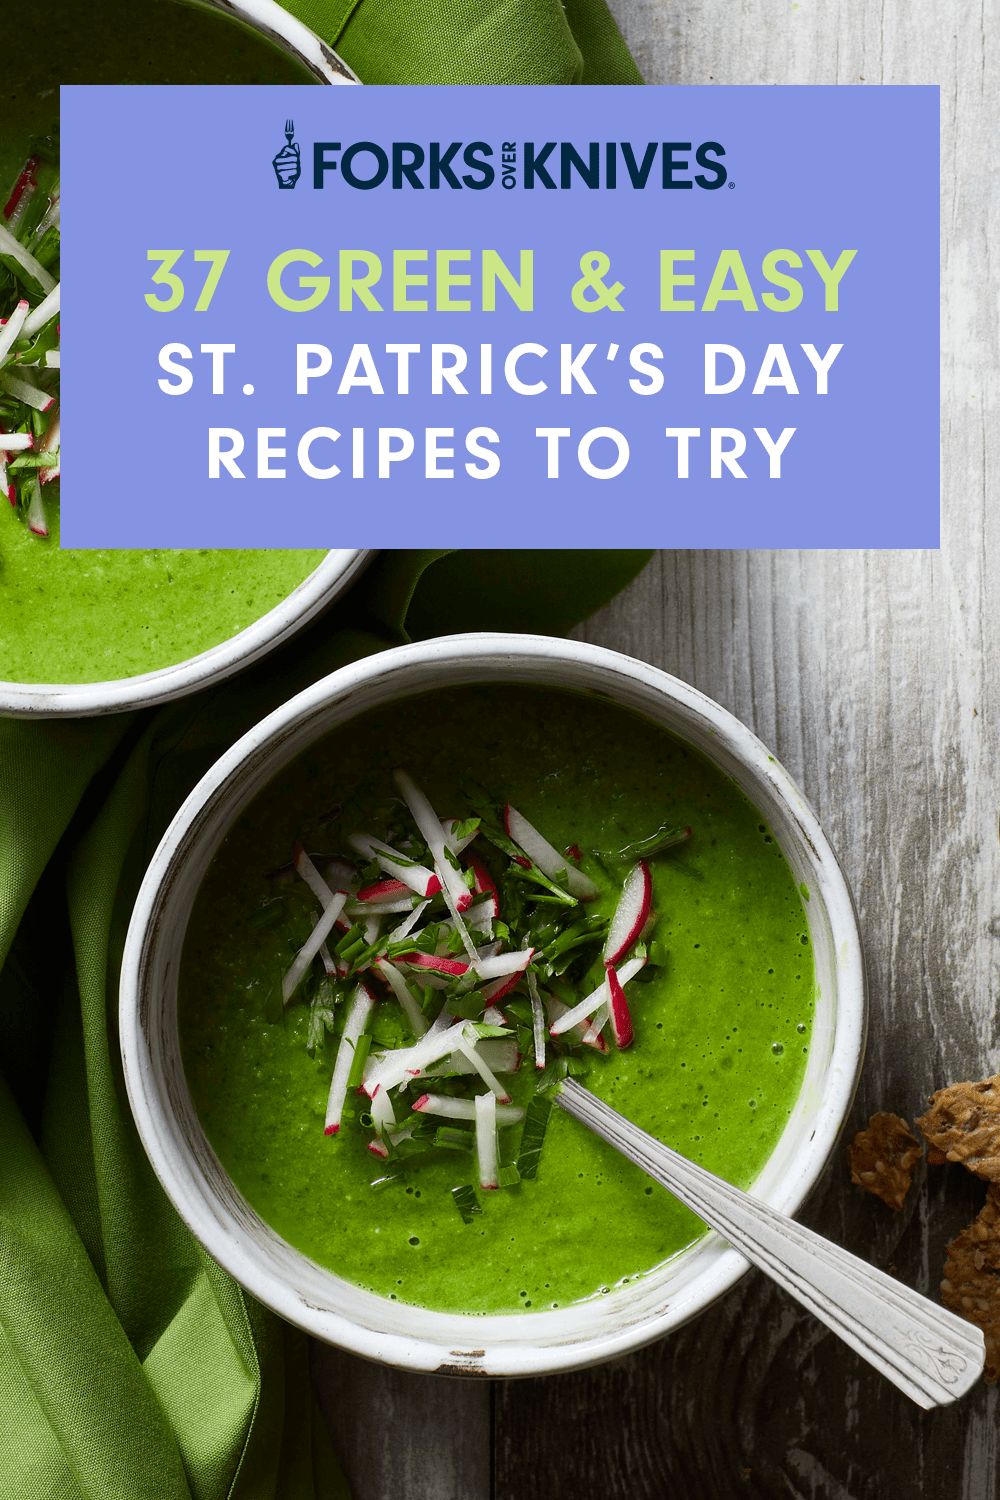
x,y
873,676
401,1436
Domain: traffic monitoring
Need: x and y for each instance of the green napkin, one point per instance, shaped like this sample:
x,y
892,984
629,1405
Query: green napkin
x,y
131,1366
473,41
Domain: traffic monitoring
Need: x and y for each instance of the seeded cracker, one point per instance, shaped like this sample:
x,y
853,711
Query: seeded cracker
x,y
971,1287
882,1158
964,1122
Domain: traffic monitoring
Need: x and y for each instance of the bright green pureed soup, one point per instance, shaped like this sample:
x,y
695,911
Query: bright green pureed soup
x,y
90,616
75,615
721,1032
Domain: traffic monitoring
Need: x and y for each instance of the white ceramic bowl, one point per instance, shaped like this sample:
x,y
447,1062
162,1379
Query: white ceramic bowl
x,y
339,568
317,1300
287,33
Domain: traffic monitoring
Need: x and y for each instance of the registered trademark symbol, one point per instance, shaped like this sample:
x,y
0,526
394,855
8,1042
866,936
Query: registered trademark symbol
x,y
732,184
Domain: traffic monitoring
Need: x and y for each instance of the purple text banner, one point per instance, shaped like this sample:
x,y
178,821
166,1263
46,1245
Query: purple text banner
x,y
402,317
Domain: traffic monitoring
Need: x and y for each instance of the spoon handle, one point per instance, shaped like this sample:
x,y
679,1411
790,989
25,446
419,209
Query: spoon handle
x,y
928,1352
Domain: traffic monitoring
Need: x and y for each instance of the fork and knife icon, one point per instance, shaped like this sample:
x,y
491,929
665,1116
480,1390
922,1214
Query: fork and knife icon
x,y
288,162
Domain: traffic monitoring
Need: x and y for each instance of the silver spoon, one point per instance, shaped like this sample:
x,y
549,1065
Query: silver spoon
x,y
928,1352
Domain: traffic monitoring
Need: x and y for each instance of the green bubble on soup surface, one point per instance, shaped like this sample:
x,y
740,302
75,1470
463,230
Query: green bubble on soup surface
x,y
721,1031
86,616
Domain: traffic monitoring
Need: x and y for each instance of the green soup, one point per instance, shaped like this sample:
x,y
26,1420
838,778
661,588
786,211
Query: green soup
x,y
89,616
721,1028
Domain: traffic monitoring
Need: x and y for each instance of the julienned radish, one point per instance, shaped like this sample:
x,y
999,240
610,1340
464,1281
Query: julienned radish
x,y
456,891
548,860
630,913
520,934
358,1018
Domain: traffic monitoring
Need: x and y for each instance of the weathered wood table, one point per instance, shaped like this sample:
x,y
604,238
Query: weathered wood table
x,y
873,677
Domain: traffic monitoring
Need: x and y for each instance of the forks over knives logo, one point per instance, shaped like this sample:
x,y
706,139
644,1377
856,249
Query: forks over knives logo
x,y
288,162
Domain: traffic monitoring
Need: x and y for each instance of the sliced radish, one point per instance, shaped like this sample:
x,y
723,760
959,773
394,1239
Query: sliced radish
x,y
494,1017
408,1062
431,832
431,981
358,1017
46,476
382,1111
412,1011
405,928
538,1020
570,1018
497,988
436,962
313,879
456,845
484,883
419,879
548,860
26,179
45,310
378,1148
341,875
311,947
441,1022
36,512
478,918
333,969
16,442
504,964
360,911
468,1049
465,1109
499,1053
486,1140
621,1016
630,913
372,926
555,1008
24,391
383,890
12,247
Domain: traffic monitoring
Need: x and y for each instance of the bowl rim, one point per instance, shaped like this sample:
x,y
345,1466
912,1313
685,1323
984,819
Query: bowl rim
x,y
232,1239
288,33
86,700
331,576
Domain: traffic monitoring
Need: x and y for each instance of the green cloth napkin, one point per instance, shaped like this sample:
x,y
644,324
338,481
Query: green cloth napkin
x,y
131,1366
473,41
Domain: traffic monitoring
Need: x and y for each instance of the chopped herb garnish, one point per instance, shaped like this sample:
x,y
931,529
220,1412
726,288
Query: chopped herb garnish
x,y
464,827
361,1049
29,338
426,986
466,1202
535,1124
665,837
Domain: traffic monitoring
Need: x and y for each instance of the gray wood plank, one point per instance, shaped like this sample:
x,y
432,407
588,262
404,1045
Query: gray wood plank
x,y
401,1436
873,676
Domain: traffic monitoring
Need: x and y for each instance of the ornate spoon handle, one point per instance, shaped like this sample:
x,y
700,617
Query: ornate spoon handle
x,y
928,1352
